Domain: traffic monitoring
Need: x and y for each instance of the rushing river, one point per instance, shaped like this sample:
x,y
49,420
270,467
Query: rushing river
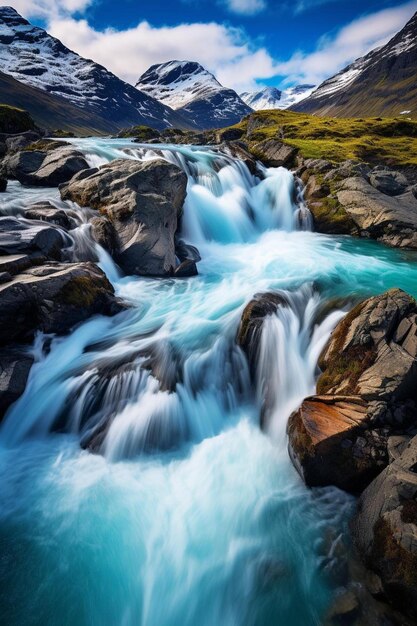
x,y
190,516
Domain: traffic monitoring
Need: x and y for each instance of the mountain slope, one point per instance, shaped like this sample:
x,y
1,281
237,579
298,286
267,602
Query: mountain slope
x,y
273,98
382,83
191,90
33,57
50,111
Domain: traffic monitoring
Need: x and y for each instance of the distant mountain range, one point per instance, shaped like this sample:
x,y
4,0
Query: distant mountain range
x,y
193,92
273,98
61,89
33,57
382,83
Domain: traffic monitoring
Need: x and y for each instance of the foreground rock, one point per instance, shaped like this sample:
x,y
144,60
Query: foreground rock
x,y
142,202
49,168
385,529
53,298
367,393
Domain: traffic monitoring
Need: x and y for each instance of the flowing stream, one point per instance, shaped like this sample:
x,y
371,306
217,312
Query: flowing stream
x,y
189,514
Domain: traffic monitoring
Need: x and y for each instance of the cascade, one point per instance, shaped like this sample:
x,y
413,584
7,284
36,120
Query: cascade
x,y
187,512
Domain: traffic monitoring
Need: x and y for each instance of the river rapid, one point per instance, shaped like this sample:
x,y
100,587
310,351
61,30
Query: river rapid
x,y
191,516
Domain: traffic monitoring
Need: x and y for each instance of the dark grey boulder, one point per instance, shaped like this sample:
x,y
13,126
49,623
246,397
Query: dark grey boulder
x,y
143,201
15,364
53,298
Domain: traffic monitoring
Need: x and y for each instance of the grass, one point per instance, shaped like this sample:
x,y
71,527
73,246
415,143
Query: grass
x,y
372,140
14,120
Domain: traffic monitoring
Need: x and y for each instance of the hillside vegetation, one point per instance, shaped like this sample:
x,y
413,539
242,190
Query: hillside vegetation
x,y
371,140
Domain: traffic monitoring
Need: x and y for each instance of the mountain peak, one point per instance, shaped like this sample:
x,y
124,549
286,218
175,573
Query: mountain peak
x,y
188,87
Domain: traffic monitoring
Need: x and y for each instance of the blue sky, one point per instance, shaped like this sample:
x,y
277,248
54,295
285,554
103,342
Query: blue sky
x,y
245,42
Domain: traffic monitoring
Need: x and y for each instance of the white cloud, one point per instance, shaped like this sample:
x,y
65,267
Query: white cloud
x,y
48,9
223,50
351,42
245,7
226,51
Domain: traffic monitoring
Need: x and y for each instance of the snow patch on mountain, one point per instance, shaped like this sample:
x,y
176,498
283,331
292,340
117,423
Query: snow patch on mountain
x,y
273,98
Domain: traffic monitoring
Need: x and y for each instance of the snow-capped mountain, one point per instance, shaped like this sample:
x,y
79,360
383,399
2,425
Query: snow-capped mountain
x,y
34,57
194,92
273,98
383,82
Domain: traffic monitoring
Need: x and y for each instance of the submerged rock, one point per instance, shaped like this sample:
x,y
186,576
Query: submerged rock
x,y
367,393
143,201
53,298
385,529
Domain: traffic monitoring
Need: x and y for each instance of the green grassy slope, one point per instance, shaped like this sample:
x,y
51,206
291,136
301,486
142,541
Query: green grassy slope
x,y
372,140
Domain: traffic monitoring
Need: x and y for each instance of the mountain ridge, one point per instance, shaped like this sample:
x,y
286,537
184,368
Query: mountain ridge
x,y
387,75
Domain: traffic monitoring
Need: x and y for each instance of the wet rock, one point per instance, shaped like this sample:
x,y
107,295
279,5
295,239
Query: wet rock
x,y
143,201
17,236
385,529
274,153
186,269
186,251
104,233
47,212
366,395
15,364
44,168
53,298
253,316
239,150
3,184
14,263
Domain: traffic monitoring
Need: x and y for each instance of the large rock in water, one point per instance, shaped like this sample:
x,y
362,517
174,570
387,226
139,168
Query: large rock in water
x,y
385,529
44,168
367,394
143,201
53,298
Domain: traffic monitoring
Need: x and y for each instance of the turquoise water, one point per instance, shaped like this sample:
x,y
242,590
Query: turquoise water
x,y
190,515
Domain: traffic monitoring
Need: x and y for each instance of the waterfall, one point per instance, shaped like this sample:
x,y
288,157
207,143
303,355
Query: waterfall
x,y
190,513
